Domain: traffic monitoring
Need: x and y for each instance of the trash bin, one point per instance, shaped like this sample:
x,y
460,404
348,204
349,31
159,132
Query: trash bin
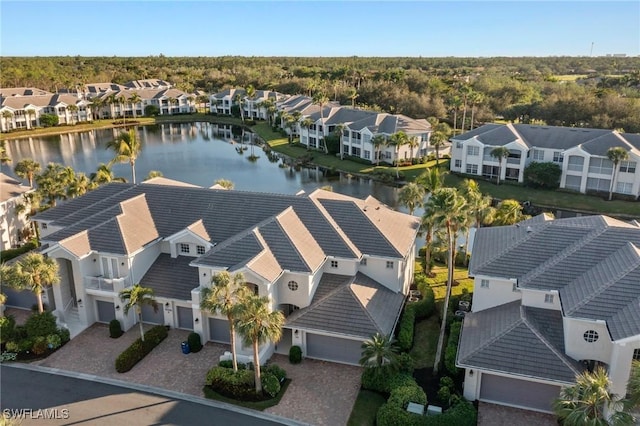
x,y
185,347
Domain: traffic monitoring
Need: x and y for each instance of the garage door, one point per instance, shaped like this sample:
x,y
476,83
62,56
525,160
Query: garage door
x,y
219,330
520,393
151,317
333,349
185,318
106,311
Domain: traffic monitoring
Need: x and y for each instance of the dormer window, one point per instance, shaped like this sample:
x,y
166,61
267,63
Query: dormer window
x,y
184,248
548,298
200,249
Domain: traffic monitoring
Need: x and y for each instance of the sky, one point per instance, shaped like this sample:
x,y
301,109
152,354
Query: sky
x,y
319,28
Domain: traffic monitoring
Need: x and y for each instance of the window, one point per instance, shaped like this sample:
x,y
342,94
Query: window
x,y
184,248
367,155
557,157
515,288
458,164
44,225
366,138
538,155
293,286
387,155
627,167
473,150
200,249
363,261
601,166
636,354
573,182
355,151
484,283
548,298
597,184
389,264
575,163
472,169
459,145
624,187
590,336
334,263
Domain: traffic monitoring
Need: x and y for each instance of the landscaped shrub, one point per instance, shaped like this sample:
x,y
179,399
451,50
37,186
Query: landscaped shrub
x,y
461,414
403,395
276,370
270,384
295,355
452,348
64,334
7,328
233,384
406,327
9,254
54,341
392,415
115,329
385,380
39,346
139,349
41,324
194,342
424,308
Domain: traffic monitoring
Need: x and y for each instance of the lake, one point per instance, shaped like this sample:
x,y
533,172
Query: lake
x,y
197,153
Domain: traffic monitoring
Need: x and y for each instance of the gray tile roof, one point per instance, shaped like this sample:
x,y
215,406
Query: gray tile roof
x,y
172,278
351,306
592,261
517,340
233,253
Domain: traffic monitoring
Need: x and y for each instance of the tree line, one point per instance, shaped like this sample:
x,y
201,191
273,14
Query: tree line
x,y
601,92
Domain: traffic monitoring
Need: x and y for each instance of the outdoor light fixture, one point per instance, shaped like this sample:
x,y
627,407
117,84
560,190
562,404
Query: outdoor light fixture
x,y
196,320
166,304
204,274
118,308
95,260
296,333
79,301
470,373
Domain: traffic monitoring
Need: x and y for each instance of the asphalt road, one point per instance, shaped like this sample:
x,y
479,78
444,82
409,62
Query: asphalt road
x,y
50,399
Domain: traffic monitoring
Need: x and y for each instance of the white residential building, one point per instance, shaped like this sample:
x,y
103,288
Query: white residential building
x,y
12,223
23,111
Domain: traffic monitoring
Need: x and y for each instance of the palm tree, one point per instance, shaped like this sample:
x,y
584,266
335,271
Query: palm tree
x,y
413,143
379,352
104,174
257,324
616,155
7,115
73,109
500,153
52,183
590,402
378,142
27,169
153,174
455,103
509,212
225,183
437,141
476,98
397,140
339,129
112,100
80,185
4,157
30,113
239,98
465,91
136,297
320,99
225,296
33,272
306,124
447,209
412,196
633,385
353,95
479,205
134,99
96,105
126,146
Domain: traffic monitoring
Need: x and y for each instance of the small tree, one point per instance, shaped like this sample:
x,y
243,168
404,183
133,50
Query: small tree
x,y
27,169
542,175
500,153
33,272
379,352
136,297
151,110
49,120
616,155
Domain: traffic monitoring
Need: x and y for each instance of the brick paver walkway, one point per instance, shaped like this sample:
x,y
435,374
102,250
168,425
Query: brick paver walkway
x,y
499,415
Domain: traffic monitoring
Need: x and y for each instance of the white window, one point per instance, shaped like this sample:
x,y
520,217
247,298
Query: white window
x,y
548,298
597,184
515,288
575,163
367,155
624,187
573,182
184,248
557,156
293,286
387,155
200,249
363,261
484,283
590,336
458,164
44,225
472,169
627,167
601,166
473,150
459,145
334,263
538,155
389,264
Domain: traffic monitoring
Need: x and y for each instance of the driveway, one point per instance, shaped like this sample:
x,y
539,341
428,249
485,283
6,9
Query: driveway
x,y
500,415
321,393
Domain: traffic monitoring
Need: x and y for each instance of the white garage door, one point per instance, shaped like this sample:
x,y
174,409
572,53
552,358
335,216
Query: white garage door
x,y
520,393
219,330
152,317
334,349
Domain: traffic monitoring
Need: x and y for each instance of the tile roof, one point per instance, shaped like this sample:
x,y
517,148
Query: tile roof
x,y
352,306
592,261
22,91
11,188
172,278
517,340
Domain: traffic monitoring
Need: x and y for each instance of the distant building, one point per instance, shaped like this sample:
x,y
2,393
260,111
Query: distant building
x,y
12,223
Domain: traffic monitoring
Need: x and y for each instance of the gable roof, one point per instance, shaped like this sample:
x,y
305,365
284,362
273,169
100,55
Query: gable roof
x,y
517,340
171,277
592,261
352,306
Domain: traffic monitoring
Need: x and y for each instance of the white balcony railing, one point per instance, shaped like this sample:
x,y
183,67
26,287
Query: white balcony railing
x,y
106,284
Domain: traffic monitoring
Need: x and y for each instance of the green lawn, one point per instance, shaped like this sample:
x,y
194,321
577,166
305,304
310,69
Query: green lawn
x,y
257,405
425,340
365,409
439,282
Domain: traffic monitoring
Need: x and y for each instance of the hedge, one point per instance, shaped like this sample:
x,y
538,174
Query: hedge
x,y
9,254
461,414
412,312
240,385
452,348
139,349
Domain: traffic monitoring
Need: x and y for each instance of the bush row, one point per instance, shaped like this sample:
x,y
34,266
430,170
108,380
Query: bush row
x,y
6,255
383,380
452,347
413,312
139,349
461,414
240,384
39,335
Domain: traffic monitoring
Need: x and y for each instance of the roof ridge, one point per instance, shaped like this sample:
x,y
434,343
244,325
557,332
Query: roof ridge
x,y
613,279
284,231
554,260
544,340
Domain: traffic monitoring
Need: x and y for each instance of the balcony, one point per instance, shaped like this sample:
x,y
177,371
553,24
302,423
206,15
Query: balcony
x,y
513,160
106,284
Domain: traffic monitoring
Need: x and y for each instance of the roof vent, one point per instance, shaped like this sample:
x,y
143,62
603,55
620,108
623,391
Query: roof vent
x,y
529,229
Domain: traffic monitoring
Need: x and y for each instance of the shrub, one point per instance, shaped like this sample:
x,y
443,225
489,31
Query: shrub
x,y
276,370
9,254
35,309
139,349
13,346
425,307
227,363
8,356
39,346
54,341
406,328
115,329
41,325
403,395
542,175
392,415
461,414
151,110
295,355
232,384
270,384
7,328
49,120
64,334
385,380
406,364
194,342
452,348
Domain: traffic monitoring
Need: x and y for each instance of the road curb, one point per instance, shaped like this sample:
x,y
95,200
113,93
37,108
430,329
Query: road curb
x,y
157,391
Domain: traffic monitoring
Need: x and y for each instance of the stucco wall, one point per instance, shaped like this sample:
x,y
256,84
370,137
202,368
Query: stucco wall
x,y
499,292
577,348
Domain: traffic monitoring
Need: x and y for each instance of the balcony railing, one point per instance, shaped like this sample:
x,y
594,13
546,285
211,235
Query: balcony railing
x,y
513,161
106,284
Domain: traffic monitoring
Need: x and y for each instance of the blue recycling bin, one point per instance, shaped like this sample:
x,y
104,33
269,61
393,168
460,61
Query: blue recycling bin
x,y
185,348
